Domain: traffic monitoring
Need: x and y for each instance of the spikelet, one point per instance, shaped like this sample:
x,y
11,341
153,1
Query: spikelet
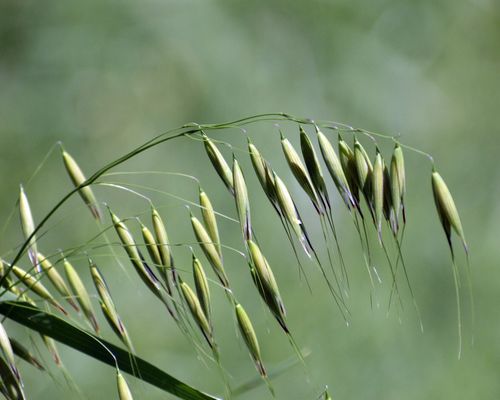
x,y
378,192
78,178
447,210
398,186
7,351
250,338
290,214
107,305
241,199
50,344
209,219
81,294
388,207
11,286
35,286
28,226
143,270
314,168
348,164
201,286
197,312
210,250
264,174
124,392
335,168
265,282
364,168
10,385
300,172
162,243
219,163
152,248
56,279
22,352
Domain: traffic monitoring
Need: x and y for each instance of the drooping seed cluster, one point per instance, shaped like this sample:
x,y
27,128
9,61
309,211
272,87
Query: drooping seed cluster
x,y
368,188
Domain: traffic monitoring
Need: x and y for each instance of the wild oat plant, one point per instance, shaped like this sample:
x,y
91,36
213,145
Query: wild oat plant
x,y
331,168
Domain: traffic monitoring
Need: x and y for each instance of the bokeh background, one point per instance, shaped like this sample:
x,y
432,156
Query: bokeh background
x,y
105,76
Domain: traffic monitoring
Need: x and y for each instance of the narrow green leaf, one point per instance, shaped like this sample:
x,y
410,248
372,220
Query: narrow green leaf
x,y
87,343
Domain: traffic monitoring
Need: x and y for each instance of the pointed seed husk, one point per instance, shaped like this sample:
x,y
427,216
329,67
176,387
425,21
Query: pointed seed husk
x,y
219,163
22,352
446,208
313,167
107,305
265,282
56,279
290,213
250,338
10,386
209,219
78,178
124,392
197,312
210,250
242,202
80,292
151,247
141,267
300,172
7,351
28,227
335,168
202,288
163,246
378,192
398,183
35,286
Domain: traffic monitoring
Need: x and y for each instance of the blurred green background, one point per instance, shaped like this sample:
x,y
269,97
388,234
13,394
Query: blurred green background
x,y
105,76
